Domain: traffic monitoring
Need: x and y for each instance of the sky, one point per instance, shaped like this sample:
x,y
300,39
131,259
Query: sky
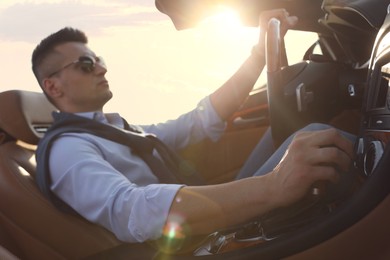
x,y
155,72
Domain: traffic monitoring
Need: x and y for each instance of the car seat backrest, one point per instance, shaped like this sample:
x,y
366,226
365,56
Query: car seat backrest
x,y
25,115
38,230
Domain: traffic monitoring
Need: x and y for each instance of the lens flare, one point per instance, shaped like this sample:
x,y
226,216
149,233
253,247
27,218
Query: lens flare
x,y
173,230
174,235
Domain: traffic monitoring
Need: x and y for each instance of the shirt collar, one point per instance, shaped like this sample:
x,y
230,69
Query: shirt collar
x,y
106,118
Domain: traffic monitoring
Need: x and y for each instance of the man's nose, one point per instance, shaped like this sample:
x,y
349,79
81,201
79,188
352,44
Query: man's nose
x,y
100,68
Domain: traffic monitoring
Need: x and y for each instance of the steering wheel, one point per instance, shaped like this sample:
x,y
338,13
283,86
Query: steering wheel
x,y
276,58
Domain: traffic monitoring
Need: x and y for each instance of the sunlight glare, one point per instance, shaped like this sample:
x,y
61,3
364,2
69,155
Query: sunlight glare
x,y
224,31
225,18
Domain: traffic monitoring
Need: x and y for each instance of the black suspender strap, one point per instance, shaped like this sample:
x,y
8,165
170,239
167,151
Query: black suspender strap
x,y
171,169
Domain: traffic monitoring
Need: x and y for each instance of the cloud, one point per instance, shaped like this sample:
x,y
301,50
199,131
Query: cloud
x,y
29,21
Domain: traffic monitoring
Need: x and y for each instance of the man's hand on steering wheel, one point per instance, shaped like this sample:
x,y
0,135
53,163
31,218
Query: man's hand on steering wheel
x,y
285,19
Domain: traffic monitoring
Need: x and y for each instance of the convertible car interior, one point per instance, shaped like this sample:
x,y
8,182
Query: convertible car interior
x,y
343,80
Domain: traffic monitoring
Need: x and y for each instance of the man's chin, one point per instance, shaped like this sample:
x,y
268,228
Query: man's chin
x,y
109,96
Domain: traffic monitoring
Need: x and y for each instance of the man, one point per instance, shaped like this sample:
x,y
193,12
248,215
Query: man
x,y
108,184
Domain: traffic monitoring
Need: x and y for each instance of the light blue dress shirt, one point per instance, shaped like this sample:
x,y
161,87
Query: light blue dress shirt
x,y
109,185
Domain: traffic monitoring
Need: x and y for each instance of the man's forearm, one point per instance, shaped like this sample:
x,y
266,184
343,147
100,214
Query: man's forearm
x,y
228,98
311,157
205,209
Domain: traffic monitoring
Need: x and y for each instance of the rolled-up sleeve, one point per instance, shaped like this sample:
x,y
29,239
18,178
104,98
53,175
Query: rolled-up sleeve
x,y
194,126
89,183
152,207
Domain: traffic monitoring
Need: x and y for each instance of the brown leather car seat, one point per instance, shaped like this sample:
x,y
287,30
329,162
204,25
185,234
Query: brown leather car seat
x,y
37,229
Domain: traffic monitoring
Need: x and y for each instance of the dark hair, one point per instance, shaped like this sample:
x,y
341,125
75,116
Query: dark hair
x,y
47,46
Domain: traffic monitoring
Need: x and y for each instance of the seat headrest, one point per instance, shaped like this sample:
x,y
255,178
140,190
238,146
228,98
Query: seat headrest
x,y
25,115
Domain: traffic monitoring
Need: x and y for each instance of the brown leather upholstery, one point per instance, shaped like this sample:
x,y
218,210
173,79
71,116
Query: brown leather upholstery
x,y
6,255
36,228
367,239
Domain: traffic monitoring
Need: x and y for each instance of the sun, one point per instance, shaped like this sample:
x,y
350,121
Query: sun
x,y
225,29
222,36
224,17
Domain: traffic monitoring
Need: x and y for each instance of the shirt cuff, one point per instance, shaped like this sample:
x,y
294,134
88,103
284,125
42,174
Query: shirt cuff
x,y
152,212
213,125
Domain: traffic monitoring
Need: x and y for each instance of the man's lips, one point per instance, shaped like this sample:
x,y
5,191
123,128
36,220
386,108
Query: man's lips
x,y
103,82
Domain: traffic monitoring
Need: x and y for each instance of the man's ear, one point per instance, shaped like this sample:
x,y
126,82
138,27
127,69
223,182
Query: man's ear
x,y
51,88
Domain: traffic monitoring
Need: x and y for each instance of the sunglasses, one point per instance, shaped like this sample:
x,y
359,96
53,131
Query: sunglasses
x,y
87,64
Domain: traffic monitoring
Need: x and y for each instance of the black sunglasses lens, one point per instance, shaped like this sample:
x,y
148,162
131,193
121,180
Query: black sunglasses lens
x,y
87,64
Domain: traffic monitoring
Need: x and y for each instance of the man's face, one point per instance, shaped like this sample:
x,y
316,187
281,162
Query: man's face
x,y
79,89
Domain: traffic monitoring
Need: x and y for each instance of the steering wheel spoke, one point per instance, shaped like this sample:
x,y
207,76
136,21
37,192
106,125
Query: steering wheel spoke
x,y
275,59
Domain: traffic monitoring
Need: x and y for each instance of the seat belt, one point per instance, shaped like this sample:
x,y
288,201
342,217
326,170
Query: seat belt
x,y
172,169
